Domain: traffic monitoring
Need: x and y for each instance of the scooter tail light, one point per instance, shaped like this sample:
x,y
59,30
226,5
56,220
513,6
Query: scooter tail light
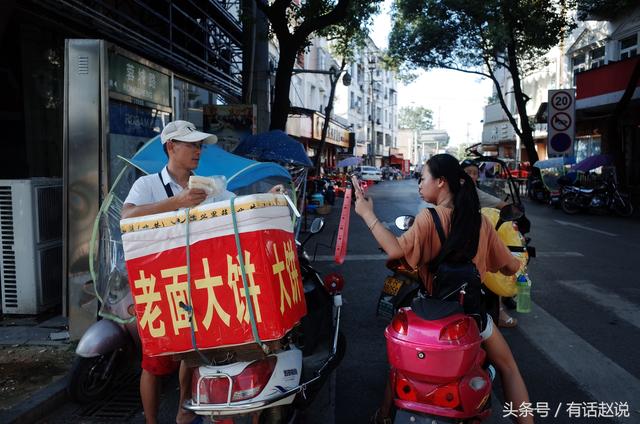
x,y
404,389
445,396
455,331
250,382
333,283
246,385
400,323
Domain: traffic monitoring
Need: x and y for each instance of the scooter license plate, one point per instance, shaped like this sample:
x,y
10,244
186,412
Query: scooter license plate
x,y
391,286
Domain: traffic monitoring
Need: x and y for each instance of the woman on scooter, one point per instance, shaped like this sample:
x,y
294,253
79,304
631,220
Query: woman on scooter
x,y
469,235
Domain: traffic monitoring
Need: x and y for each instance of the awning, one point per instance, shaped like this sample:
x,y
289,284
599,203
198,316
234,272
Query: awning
x,y
396,160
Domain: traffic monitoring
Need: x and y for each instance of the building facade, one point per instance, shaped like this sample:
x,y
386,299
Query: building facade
x,y
370,104
603,60
86,83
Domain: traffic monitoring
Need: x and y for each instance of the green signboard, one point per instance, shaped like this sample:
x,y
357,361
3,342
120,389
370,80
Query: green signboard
x,y
134,79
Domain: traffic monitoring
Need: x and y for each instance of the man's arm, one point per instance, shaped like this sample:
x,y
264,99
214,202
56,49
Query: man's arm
x,y
186,199
489,201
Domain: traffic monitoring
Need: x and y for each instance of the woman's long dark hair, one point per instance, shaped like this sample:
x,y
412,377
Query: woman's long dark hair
x,y
462,242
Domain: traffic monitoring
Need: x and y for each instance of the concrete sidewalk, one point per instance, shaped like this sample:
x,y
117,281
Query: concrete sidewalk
x,y
39,343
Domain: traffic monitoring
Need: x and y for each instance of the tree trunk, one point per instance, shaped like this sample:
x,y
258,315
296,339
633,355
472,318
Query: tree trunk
x,y
281,104
327,116
525,127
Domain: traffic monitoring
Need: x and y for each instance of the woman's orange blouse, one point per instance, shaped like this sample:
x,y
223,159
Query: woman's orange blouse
x,y
421,245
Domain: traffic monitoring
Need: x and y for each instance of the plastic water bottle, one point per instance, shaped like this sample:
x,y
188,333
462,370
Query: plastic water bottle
x,y
524,293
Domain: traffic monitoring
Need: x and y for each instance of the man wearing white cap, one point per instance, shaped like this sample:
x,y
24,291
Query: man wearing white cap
x,y
167,190
164,192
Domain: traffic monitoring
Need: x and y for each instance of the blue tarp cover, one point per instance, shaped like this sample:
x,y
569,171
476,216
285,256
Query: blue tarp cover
x,y
555,162
240,172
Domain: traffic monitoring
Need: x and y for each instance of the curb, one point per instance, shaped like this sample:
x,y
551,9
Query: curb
x,y
39,405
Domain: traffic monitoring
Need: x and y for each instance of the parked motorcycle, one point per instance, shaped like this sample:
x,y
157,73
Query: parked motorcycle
x,y
287,377
604,197
439,372
103,348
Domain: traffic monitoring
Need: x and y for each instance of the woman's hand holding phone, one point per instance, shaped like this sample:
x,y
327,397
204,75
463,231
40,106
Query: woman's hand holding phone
x,y
356,186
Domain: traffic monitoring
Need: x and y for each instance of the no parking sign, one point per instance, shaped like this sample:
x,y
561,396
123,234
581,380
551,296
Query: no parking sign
x,y
561,121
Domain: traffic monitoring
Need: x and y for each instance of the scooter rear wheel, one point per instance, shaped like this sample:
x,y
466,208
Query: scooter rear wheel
x,y
568,203
88,381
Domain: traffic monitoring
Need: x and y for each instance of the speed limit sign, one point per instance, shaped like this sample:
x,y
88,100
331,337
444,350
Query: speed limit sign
x,y
561,117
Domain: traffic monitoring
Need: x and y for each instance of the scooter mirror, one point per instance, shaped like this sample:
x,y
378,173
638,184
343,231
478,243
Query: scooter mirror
x,y
511,213
403,222
316,225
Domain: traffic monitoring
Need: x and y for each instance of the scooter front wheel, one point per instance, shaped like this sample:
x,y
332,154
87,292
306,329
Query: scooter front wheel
x,y
91,378
623,207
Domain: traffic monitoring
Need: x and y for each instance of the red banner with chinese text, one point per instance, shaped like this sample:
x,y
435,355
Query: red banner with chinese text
x,y
221,315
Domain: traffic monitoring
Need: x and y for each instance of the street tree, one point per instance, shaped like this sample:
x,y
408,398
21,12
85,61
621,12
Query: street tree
x,y
294,22
604,9
417,118
478,37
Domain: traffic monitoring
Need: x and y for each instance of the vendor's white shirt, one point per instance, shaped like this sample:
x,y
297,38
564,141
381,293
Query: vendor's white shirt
x,y
149,189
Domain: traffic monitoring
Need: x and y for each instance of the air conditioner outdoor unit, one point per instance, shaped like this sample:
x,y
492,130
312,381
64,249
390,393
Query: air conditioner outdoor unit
x,y
30,244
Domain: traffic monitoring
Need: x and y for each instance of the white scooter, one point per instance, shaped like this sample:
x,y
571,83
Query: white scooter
x,y
287,378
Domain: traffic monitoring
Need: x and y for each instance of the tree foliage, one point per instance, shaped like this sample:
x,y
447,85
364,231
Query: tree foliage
x,y
294,23
604,9
417,118
478,37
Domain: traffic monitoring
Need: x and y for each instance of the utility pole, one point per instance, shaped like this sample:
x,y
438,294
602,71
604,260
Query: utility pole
x,y
334,77
372,68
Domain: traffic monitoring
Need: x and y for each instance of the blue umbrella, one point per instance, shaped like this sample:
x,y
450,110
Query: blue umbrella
x,y
350,161
593,162
275,146
240,172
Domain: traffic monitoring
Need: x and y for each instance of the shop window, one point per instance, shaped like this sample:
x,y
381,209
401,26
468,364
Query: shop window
x,y
189,101
587,146
578,64
629,47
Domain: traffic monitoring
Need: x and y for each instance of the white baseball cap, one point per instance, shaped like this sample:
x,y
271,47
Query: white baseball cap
x,y
185,131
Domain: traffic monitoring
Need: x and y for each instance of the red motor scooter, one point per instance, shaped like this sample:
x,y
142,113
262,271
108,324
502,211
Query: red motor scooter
x,y
438,372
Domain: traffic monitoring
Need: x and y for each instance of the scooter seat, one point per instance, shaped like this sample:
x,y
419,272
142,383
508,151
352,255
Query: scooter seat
x,y
431,309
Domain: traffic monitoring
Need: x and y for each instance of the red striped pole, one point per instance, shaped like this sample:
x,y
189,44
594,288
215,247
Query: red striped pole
x,y
343,229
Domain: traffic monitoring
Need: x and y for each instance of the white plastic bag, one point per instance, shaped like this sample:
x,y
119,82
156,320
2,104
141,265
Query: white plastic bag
x,y
213,185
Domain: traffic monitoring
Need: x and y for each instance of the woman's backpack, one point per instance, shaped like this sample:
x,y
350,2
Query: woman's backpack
x,y
457,281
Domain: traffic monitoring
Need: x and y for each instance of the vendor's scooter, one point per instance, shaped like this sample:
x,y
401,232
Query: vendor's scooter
x,y
286,375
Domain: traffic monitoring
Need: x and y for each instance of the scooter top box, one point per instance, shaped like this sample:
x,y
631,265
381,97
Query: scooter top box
x,y
166,289
420,349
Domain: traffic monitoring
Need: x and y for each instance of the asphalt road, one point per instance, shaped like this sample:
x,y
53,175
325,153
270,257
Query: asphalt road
x,y
577,349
